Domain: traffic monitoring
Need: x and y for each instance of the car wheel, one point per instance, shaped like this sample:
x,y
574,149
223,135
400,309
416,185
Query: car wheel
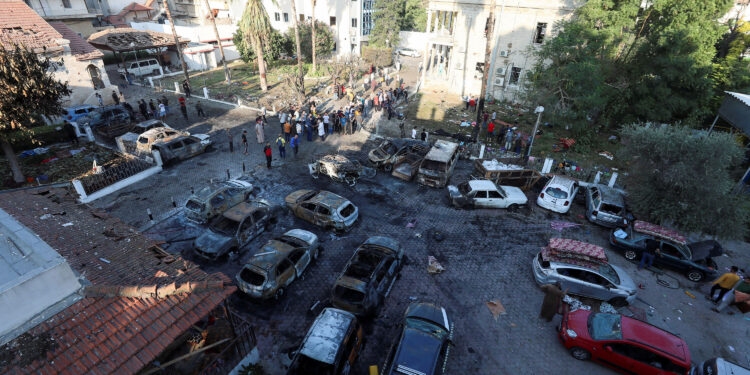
x,y
580,353
513,207
388,167
350,180
630,254
695,275
279,293
618,302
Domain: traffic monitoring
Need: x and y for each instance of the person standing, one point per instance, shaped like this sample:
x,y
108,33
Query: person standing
x,y
183,108
423,135
199,109
162,111
724,284
648,255
517,144
295,144
287,131
186,88
344,120
244,140
490,130
165,101
298,128
267,151
99,99
322,131
142,109
152,107
358,117
508,139
472,104
70,131
259,132
401,129
115,98
494,114
414,133
466,101
326,120
229,138
553,296
281,143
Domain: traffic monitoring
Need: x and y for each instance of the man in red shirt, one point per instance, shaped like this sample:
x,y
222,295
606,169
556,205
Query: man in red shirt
x,y
267,151
472,104
490,130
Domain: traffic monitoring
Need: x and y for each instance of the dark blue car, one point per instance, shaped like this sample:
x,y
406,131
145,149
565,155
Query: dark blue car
x,y
424,343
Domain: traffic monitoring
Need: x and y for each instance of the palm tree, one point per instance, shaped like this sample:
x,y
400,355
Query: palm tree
x,y
299,47
256,28
313,34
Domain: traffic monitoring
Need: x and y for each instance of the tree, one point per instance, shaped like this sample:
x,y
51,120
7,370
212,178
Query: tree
x,y
616,62
324,37
291,84
387,18
300,68
279,45
28,90
679,178
414,16
256,29
315,24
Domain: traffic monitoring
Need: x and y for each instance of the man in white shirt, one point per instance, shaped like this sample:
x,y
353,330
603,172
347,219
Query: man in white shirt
x,y
494,114
414,133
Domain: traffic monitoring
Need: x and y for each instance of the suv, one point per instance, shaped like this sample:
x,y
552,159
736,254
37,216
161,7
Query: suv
x,y
424,343
626,345
485,194
280,261
235,228
558,194
323,208
694,259
368,276
182,148
214,199
74,113
147,140
606,206
109,121
142,68
331,346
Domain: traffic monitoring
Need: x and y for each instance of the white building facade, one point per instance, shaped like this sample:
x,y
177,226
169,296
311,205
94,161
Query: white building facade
x,y
351,21
454,56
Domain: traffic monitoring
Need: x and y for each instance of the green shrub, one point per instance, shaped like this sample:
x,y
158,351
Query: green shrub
x,y
377,56
40,136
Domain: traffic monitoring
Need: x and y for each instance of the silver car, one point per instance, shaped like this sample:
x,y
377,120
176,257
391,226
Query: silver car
x,y
606,282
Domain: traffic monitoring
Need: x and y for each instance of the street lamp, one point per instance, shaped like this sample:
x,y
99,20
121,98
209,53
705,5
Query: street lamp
x,y
539,110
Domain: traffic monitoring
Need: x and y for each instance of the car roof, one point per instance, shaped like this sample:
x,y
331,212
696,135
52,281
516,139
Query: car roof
x,y
271,254
383,241
482,185
302,234
610,195
79,107
241,210
441,151
417,353
655,337
326,335
561,181
155,131
328,199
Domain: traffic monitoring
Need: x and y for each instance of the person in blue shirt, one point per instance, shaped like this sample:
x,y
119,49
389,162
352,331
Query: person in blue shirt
x,y
295,144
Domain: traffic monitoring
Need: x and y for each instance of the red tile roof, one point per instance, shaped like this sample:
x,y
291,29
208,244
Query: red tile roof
x,y
21,25
134,7
109,331
79,47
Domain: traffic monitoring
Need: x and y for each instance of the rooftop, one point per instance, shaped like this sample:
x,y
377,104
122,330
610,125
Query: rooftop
x,y
125,39
79,47
21,25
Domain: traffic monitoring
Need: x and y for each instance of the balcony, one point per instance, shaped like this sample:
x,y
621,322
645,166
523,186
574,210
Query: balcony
x,y
76,9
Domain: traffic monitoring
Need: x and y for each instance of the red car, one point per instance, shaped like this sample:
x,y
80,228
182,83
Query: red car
x,y
627,345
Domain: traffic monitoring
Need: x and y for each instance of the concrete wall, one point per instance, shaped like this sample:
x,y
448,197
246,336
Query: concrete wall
x,y
79,81
55,9
84,27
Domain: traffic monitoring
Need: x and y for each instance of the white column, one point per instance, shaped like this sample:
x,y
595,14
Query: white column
x,y
176,87
427,46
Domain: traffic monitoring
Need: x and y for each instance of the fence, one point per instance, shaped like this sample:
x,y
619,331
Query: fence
x,y
116,170
237,349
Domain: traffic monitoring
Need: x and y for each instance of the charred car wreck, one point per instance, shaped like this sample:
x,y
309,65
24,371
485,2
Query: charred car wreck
x,y
235,228
392,152
339,168
215,199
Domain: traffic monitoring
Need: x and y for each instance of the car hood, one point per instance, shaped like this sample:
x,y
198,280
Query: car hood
x,y
706,249
514,193
293,197
626,282
453,191
418,351
211,242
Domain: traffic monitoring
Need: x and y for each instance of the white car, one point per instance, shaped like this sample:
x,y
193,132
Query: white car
x,y
408,52
155,135
142,68
558,194
485,194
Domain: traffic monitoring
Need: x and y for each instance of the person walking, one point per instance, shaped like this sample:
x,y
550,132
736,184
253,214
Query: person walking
x,y
115,98
199,109
244,140
281,143
186,88
260,135
295,144
648,255
423,135
553,297
183,108
142,107
287,131
490,130
267,152
322,131
724,284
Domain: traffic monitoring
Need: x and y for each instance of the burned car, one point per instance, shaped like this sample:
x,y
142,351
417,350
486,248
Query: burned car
x,y
423,345
393,151
368,276
148,138
331,346
339,168
323,208
235,228
213,200
278,263
182,148
485,194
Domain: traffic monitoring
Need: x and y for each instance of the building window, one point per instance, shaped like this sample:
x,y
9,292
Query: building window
x,y
541,29
515,76
277,16
301,18
333,21
354,22
96,77
480,68
66,3
286,17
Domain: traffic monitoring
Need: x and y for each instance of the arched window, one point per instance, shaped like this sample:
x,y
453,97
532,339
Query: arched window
x,y
96,77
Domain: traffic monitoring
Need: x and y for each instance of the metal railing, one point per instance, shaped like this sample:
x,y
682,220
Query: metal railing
x,y
114,171
237,349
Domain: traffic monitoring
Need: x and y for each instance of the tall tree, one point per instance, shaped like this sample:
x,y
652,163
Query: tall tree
x,y
300,67
227,75
324,39
255,26
387,16
414,16
28,90
314,22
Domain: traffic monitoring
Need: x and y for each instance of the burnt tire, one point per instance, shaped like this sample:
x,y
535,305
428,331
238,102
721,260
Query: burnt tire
x,y
630,254
279,294
580,354
350,180
388,167
695,275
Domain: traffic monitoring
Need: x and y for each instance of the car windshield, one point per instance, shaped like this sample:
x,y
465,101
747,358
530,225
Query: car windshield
x,y
308,196
426,326
347,211
609,273
293,241
252,276
225,225
194,206
347,294
556,193
308,366
464,188
388,148
432,165
605,326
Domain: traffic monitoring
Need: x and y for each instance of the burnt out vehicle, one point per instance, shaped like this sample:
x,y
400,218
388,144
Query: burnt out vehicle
x,y
368,276
393,151
215,199
278,263
323,208
182,148
340,169
331,346
235,228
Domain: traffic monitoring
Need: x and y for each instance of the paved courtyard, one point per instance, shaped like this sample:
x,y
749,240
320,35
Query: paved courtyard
x,y
486,253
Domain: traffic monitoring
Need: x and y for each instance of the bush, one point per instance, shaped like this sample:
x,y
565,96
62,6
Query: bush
x,y
377,56
280,45
324,41
40,136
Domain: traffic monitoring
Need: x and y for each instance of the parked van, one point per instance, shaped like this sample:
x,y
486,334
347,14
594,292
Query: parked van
x,y
142,68
605,206
719,366
558,194
437,166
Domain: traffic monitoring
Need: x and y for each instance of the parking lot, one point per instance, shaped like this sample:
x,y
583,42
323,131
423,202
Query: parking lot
x,y
486,254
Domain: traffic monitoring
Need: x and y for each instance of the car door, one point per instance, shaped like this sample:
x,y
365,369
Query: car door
x,y
246,232
218,204
386,276
569,279
671,256
306,211
496,200
234,196
193,146
285,272
178,150
480,198
301,259
617,355
594,286
260,218
323,215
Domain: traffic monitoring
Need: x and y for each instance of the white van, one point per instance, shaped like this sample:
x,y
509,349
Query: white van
x,y
141,68
558,194
719,366
437,166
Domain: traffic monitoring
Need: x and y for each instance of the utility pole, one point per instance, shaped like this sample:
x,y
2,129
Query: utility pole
x,y
539,110
485,70
177,41
218,40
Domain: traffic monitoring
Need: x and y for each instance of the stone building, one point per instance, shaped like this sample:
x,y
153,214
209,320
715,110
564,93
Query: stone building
x,y
453,58
83,16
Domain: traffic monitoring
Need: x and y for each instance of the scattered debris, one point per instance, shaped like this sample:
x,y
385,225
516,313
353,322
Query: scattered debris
x,y
494,165
575,304
433,266
68,224
496,308
607,308
412,223
560,225
690,294
607,155
45,216
104,260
